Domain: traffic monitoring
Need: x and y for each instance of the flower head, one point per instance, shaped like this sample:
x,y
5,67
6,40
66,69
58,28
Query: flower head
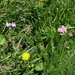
x,y
25,56
31,66
10,24
13,25
62,30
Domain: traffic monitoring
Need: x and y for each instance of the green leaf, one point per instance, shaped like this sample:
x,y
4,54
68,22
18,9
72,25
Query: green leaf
x,y
39,67
3,40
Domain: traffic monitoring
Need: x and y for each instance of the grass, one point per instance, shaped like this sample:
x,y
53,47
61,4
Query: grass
x,y
36,33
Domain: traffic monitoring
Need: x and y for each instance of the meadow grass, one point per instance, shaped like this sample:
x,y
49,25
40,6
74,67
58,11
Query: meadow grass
x,y
36,33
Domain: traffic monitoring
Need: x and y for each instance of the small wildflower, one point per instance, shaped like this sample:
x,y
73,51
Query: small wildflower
x,y
32,65
29,66
10,24
62,30
13,25
25,56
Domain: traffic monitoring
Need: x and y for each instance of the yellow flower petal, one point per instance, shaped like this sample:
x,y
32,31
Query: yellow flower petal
x,y
25,56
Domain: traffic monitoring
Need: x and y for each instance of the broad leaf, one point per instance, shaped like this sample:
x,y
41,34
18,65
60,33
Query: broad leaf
x,y
39,67
3,40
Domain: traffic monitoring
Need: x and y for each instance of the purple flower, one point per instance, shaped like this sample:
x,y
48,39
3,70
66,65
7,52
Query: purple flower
x,y
13,25
62,30
10,24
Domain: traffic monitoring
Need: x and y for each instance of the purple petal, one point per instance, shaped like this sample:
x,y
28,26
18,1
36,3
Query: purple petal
x,y
8,24
13,25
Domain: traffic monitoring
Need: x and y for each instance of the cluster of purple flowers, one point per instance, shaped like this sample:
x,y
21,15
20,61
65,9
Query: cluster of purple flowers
x,y
10,24
62,30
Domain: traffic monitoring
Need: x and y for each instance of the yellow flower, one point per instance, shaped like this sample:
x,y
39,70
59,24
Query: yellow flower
x,y
29,66
25,56
41,0
32,65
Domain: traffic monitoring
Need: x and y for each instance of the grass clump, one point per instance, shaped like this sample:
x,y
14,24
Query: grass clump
x,y
37,37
